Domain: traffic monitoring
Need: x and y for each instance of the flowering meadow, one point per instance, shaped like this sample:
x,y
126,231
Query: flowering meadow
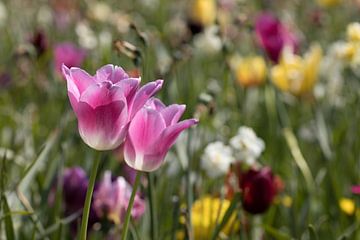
x,y
183,119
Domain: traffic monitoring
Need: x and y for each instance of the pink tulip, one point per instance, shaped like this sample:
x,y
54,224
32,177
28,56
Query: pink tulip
x,y
111,199
105,103
68,54
355,189
273,36
152,132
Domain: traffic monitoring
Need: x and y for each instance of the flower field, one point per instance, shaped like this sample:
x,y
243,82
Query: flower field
x,y
184,119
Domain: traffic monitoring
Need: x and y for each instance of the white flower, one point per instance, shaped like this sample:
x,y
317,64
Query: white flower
x,y
247,145
100,11
86,35
208,43
3,14
216,159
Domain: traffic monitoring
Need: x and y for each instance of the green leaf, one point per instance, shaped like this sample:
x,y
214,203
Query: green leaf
x,y
278,235
38,164
312,233
9,226
229,212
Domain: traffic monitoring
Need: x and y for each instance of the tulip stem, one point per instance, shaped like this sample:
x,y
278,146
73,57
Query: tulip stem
x,y
89,192
131,203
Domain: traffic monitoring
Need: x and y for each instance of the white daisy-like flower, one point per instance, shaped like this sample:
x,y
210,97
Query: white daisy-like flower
x,y
216,159
247,145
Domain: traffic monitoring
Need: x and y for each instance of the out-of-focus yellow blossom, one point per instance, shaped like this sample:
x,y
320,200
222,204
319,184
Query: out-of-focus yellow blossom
x,y
347,205
206,213
287,201
296,74
250,71
353,32
329,3
350,50
203,12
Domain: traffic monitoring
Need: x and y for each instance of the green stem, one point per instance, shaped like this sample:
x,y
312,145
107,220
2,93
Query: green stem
x,y
131,203
153,228
86,209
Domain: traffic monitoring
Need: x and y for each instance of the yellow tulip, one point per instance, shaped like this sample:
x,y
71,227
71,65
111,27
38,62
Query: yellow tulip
x,y
329,3
206,213
353,32
295,74
203,12
347,205
251,71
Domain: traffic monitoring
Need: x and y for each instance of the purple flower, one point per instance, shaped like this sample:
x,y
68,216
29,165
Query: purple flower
x,y
272,36
5,80
75,183
68,54
259,189
105,103
152,132
111,199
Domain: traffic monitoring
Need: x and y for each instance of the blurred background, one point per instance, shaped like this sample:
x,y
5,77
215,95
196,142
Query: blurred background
x,y
274,83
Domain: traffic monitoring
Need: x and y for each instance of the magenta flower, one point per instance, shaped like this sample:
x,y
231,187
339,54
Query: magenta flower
x,y
355,189
272,36
152,132
68,54
105,103
111,199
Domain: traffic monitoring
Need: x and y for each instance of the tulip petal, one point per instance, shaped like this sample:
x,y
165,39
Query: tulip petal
x,y
155,104
129,87
102,94
81,79
103,127
71,87
144,131
111,73
145,92
172,113
170,134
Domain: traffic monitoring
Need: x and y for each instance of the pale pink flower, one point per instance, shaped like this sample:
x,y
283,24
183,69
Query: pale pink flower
x,y
68,54
111,199
105,103
152,132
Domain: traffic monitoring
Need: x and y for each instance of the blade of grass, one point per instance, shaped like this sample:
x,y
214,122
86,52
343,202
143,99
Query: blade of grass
x,y
278,235
312,232
299,158
39,163
9,226
228,214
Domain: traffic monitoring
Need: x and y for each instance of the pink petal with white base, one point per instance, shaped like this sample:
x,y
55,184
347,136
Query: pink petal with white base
x,y
105,127
145,92
111,73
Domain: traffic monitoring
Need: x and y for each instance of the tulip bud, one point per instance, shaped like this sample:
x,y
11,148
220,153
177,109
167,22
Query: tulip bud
x,y
273,36
258,188
75,183
106,103
152,132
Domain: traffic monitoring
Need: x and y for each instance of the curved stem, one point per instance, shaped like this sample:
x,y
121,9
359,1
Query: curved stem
x,y
89,192
131,203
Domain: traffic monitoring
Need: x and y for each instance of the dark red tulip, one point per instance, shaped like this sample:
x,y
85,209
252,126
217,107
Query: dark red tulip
x,y
258,188
272,36
39,41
